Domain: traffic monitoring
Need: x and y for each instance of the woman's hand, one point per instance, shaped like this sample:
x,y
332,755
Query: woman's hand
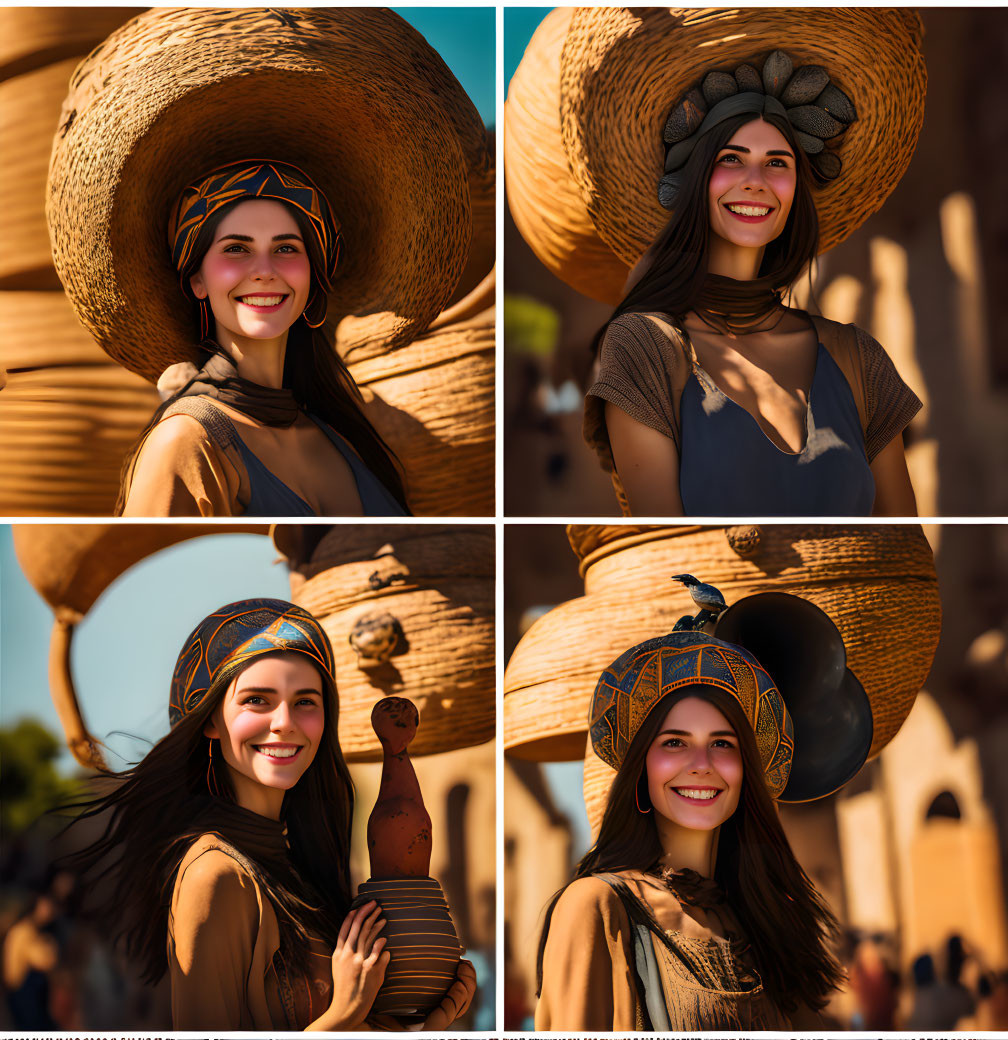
x,y
358,968
456,1001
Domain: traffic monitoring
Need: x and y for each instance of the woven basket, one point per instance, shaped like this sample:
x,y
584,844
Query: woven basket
x,y
434,585
67,414
357,98
621,70
878,585
433,402
69,566
35,36
544,200
29,111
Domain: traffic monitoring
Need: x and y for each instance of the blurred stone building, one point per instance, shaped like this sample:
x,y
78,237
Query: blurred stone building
x,y
910,852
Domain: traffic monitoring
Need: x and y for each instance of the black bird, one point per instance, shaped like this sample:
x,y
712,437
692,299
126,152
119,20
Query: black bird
x,y
706,597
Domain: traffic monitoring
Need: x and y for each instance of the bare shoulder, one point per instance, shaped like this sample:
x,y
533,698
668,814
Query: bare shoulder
x,y
178,432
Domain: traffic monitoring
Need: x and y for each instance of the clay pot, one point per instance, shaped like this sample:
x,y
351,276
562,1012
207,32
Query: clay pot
x,y
422,941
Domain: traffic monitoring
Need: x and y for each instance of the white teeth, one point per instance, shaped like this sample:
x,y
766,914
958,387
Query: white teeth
x,y
274,752
749,211
262,301
697,793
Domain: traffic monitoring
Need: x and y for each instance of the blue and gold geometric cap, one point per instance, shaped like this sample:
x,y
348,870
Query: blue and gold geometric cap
x,y
239,632
638,679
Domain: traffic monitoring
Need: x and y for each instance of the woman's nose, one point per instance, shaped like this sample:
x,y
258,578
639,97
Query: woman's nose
x,y
281,718
700,761
262,268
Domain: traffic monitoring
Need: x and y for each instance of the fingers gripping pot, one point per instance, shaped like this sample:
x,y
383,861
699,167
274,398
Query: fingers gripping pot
x,y
810,715
420,936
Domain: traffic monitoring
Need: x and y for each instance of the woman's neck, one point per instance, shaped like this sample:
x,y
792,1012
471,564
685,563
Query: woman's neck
x,y
258,361
686,849
733,261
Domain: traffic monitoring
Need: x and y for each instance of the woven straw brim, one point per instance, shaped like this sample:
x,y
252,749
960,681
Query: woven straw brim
x,y
623,69
543,199
437,582
355,97
588,104
878,585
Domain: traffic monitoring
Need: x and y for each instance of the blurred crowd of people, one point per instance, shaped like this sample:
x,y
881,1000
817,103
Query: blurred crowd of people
x,y
947,989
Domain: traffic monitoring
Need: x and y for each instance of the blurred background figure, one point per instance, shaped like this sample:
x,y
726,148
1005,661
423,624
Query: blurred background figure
x,y
30,953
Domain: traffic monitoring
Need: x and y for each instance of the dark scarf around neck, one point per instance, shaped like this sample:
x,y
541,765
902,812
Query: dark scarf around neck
x,y
219,379
732,307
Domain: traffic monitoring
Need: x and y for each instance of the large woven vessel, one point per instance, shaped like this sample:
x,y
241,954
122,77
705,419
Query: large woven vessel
x,y
67,413
877,584
410,611
422,942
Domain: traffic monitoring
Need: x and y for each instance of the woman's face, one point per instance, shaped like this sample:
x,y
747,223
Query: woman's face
x,y
752,186
255,274
694,766
270,726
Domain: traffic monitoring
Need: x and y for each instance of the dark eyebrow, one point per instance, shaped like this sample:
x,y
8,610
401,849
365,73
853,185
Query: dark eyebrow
x,y
270,689
249,238
739,148
686,733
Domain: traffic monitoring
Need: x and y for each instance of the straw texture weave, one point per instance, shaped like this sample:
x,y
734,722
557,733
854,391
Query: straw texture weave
x,y
544,200
354,96
621,71
437,582
877,584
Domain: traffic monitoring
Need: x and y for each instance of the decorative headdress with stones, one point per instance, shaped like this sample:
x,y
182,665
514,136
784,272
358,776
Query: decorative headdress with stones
x,y
817,110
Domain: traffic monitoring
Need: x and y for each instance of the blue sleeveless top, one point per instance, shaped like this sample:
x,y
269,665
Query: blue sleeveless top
x,y
268,494
729,467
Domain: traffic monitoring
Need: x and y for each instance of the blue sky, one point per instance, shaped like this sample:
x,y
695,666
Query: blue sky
x,y
124,650
464,37
519,25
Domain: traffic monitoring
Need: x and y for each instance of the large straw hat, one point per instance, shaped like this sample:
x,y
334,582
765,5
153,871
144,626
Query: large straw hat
x,y
618,72
354,97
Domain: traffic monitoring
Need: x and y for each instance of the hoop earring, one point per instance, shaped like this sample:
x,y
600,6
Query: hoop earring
x,y
311,303
643,812
211,774
204,317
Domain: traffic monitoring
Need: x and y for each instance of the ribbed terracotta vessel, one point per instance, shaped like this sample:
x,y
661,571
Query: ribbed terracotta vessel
x,y
422,941
409,609
877,584
433,402
67,413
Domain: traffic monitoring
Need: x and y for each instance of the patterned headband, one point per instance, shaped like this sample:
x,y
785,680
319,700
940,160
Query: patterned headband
x,y
816,109
639,678
240,632
253,180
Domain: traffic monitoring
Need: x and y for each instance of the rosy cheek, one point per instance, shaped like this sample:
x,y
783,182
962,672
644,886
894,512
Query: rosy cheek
x,y
721,180
295,269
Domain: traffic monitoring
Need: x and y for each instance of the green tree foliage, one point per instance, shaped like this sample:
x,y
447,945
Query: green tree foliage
x,y
29,783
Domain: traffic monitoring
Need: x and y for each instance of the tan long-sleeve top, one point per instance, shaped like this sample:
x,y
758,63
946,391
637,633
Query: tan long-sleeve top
x,y
224,958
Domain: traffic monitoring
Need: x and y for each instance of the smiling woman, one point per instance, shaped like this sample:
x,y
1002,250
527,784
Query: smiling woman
x,y
690,911
242,814
272,424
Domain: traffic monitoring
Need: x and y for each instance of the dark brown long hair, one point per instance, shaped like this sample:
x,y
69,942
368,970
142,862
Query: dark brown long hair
x,y
669,276
313,370
154,811
789,927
